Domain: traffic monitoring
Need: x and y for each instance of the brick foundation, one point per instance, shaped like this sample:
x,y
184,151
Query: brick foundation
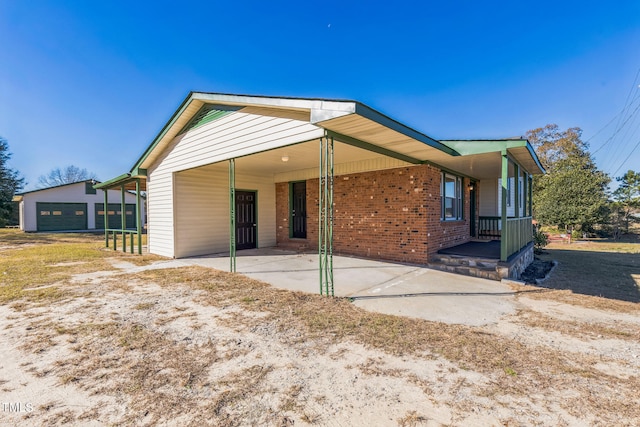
x,y
389,214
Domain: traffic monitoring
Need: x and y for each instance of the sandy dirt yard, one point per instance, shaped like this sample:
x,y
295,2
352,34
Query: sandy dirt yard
x,y
152,345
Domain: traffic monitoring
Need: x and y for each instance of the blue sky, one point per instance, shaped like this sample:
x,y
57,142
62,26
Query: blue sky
x,y
91,83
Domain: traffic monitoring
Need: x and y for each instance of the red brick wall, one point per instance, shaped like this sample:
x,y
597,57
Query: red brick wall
x,y
390,214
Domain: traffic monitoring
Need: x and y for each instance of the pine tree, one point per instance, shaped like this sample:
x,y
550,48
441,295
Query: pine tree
x,y
10,183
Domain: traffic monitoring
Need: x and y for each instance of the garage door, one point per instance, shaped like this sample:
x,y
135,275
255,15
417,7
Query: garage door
x,y
61,216
115,220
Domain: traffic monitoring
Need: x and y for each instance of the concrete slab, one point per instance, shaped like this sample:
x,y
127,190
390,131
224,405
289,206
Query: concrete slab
x,y
385,287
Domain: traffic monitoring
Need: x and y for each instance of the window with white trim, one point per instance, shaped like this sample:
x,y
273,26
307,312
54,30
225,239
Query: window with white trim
x,y
451,197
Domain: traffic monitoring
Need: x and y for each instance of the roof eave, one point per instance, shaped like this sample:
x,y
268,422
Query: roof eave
x,y
390,123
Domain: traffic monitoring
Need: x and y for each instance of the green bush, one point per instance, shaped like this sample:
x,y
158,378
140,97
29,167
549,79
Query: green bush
x,y
540,240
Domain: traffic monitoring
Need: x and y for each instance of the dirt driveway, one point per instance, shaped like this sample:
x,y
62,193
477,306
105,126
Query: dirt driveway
x,y
141,345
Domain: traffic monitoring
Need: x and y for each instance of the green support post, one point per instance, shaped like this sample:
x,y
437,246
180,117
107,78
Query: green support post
x,y
325,216
232,215
138,217
123,218
516,189
503,215
106,217
530,178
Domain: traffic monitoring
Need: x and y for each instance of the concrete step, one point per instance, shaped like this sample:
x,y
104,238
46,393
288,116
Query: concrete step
x,y
457,260
483,272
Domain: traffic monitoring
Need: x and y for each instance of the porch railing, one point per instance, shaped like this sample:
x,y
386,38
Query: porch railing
x,y
112,233
489,227
518,234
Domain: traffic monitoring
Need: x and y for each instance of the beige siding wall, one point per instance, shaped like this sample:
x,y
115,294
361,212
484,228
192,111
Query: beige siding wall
x,y
488,198
231,136
202,209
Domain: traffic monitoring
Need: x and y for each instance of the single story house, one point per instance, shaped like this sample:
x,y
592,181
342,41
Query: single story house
x,y
231,172
75,207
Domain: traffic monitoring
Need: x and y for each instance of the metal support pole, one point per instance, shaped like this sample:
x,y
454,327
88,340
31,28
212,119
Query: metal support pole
x,y
325,216
530,178
503,215
232,215
138,217
516,189
105,210
123,218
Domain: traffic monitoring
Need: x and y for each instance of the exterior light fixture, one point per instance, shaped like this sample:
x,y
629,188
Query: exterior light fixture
x,y
285,158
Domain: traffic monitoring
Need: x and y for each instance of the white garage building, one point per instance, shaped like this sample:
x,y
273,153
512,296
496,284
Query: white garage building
x,y
74,207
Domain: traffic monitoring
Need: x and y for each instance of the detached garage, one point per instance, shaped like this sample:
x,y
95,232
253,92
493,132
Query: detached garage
x,y
74,207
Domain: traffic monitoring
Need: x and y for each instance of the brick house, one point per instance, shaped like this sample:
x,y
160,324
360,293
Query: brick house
x,y
233,172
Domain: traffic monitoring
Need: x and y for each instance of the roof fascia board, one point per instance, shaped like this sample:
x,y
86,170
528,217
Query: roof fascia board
x,y
390,123
113,182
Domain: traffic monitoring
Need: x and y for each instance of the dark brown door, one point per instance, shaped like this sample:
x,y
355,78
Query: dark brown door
x,y
245,219
299,210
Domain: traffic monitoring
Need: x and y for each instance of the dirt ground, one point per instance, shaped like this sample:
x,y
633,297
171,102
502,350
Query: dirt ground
x,y
142,345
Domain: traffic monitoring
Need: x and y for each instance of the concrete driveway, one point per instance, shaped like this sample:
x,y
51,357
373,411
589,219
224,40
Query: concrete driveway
x,y
385,287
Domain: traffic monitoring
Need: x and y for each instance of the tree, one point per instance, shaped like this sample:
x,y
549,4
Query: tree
x,y
573,192
68,175
553,145
626,200
10,183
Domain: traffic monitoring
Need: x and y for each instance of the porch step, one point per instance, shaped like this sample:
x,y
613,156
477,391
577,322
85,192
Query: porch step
x,y
485,268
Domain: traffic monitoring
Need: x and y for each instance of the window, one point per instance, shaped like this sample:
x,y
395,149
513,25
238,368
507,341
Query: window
x,y
451,197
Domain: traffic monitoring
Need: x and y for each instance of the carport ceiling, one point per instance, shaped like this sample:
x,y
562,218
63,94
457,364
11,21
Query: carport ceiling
x,y
300,156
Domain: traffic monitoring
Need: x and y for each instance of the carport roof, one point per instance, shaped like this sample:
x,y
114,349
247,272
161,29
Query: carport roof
x,y
347,121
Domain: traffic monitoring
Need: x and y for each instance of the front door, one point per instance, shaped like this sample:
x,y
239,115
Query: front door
x,y
246,219
299,210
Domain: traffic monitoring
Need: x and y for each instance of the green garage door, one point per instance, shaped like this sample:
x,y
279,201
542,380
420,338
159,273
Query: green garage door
x,y
61,216
115,220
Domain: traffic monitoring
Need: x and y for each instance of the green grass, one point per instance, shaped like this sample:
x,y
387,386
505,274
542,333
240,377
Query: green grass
x,y
36,266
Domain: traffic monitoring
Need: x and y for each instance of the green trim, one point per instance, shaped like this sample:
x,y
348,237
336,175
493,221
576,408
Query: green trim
x,y
371,147
138,217
232,215
503,215
113,182
207,114
480,146
183,106
376,116
106,216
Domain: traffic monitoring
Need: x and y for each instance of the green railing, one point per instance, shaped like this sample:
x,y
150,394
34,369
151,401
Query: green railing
x,y
517,235
112,233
